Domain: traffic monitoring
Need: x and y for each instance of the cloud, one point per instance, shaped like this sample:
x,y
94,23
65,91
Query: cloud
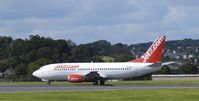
x,y
83,21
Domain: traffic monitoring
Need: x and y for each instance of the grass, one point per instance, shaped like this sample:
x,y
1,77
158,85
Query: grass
x,y
115,95
115,82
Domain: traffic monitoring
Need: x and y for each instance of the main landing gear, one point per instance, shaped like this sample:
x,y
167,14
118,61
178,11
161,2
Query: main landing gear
x,y
95,82
102,82
48,82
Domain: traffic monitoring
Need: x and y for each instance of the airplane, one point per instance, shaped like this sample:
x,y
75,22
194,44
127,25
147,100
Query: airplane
x,y
102,71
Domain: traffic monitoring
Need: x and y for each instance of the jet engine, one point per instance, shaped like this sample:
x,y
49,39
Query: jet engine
x,y
75,78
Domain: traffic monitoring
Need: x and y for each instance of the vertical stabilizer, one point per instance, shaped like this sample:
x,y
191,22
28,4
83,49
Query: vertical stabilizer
x,y
154,53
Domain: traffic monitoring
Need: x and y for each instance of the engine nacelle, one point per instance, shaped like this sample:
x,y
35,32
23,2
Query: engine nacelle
x,y
75,78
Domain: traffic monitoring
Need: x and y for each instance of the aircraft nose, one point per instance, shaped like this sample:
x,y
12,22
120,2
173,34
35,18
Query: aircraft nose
x,y
37,74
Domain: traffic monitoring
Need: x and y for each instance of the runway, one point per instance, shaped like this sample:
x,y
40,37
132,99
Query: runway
x,y
83,87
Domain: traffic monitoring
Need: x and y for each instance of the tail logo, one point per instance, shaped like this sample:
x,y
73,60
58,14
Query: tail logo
x,y
152,49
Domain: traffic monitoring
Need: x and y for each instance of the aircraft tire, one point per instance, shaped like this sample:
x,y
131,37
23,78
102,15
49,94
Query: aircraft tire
x,y
102,82
95,82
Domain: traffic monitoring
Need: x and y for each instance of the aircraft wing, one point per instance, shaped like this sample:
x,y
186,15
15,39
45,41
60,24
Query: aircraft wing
x,y
102,75
93,75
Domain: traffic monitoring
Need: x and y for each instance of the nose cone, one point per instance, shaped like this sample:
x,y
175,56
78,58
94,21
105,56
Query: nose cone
x,y
37,74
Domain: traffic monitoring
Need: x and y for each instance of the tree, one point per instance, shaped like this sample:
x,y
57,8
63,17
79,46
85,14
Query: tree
x,y
35,41
123,58
37,64
63,46
20,70
117,49
4,47
3,66
82,53
99,47
96,59
46,52
19,47
188,68
12,62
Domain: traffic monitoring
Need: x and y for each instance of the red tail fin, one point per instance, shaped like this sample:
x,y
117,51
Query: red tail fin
x,y
154,53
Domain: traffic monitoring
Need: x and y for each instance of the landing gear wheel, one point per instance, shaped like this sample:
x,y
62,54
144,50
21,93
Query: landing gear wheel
x,y
95,82
102,82
49,83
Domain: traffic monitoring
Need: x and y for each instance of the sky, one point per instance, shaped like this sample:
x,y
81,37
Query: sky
x,y
85,21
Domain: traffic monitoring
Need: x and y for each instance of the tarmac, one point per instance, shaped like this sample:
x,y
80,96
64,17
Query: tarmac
x,y
87,87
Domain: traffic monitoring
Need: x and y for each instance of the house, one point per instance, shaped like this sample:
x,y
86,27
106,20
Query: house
x,y
1,75
7,72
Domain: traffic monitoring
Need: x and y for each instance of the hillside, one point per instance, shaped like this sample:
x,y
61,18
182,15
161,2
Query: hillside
x,y
20,57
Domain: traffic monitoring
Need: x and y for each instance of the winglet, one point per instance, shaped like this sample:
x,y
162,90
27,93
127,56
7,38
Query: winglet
x,y
154,53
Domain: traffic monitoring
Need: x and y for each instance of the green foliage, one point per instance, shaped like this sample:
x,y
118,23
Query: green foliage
x,y
188,69
37,64
96,59
5,42
123,58
81,53
20,70
117,49
107,59
164,59
19,47
12,62
3,66
99,47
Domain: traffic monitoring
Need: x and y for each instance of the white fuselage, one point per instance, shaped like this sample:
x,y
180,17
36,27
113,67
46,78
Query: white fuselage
x,y
118,70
